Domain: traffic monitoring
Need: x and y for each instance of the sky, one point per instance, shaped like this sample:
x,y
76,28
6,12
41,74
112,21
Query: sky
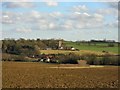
x,y
72,21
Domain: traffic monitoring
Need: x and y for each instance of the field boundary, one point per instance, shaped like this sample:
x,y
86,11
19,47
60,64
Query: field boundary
x,y
77,67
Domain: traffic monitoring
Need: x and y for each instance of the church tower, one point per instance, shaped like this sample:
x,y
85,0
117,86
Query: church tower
x,y
60,43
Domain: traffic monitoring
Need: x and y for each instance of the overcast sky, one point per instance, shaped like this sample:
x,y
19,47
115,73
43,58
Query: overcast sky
x,y
66,20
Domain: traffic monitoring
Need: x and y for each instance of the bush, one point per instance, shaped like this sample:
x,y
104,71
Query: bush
x,y
103,60
90,58
11,57
70,58
111,45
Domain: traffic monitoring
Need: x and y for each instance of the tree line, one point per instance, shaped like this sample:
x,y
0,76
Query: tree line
x,y
27,47
22,48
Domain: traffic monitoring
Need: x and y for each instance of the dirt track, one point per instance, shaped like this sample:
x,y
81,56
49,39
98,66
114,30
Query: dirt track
x,y
74,66
36,75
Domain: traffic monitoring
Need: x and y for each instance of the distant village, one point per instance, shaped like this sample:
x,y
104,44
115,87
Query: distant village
x,y
31,50
51,57
62,47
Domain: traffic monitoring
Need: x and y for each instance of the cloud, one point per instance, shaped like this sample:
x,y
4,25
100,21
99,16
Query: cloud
x,y
98,17
86,20
68,25
23,30
112,24
35,14
109,11
11,17
79,8
17,0
113,5
52,3
18,5
52,25
77,18
53,20
56,14
6,20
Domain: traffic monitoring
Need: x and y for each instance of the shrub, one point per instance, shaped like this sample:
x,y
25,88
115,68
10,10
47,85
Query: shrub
x,y
107,59
111,45
91,58
70,58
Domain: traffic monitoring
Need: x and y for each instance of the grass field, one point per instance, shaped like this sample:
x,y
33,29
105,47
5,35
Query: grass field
x,y
98,47
81,52
40,75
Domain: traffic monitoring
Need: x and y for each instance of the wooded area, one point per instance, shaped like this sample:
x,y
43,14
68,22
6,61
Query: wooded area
x,y
26,50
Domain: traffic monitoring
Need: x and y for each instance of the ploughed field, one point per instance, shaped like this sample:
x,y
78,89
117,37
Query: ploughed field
x,y
43,75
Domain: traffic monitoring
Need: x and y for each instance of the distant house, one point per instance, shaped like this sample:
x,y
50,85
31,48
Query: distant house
x,y
41,60
61,48
72,48
47,59
48,48
31,56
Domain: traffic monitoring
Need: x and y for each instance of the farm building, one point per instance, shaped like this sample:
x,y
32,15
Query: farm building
x,y
46,58
48,48
73,49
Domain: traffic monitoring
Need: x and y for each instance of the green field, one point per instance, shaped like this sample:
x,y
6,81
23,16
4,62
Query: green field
x,y
98,47
81,52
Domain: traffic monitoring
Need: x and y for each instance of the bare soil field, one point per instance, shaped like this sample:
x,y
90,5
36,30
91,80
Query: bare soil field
x,y
41,75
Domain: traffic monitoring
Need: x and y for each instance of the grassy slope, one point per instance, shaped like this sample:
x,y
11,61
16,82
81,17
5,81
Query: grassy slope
x,y
69,51
99,47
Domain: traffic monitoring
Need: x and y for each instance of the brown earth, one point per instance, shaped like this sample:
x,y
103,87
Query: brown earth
x,y
40,75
